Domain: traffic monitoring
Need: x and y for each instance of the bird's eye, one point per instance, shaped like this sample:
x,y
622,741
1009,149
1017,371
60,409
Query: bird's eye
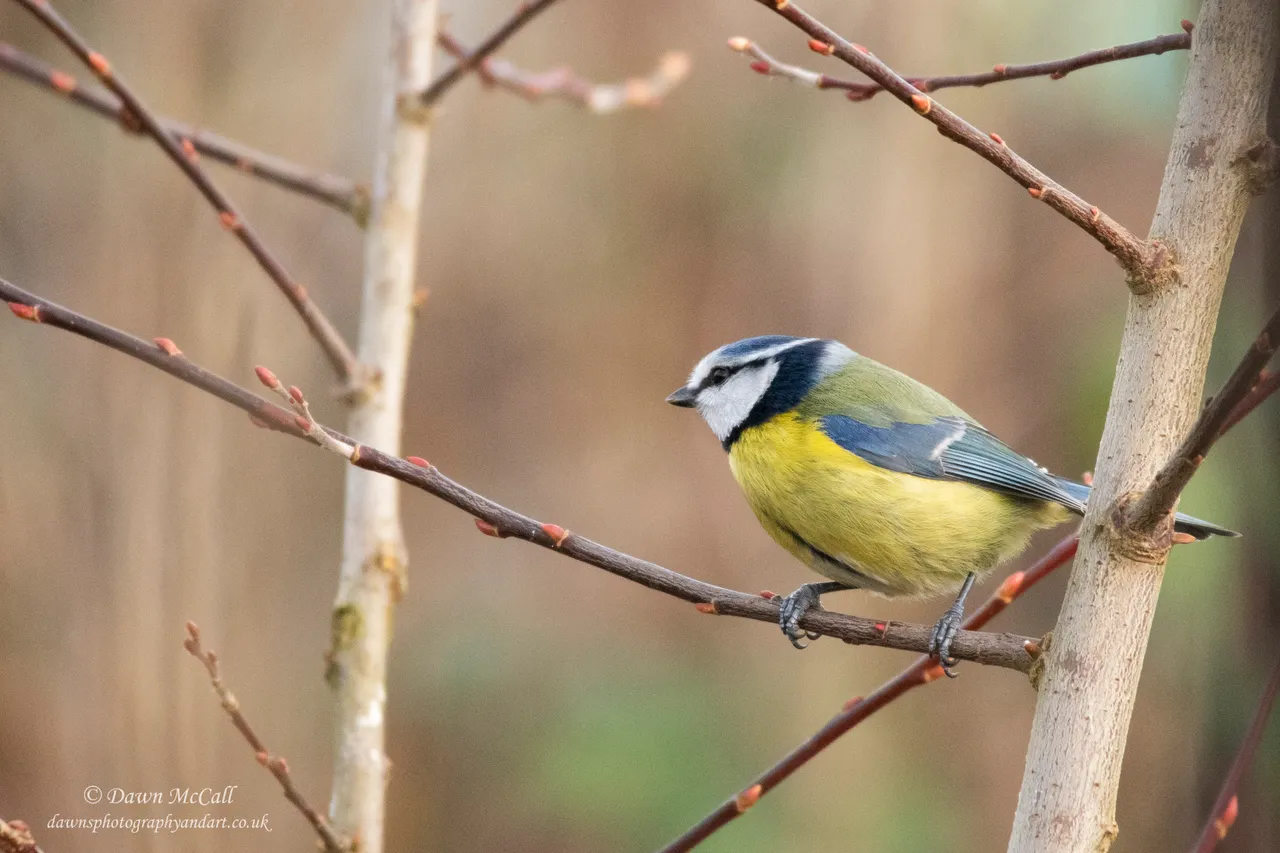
x,y
718,375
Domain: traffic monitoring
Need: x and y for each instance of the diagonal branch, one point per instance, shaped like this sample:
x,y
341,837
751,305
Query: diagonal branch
x,y
1055,69
1157,503
446,81
331,342
924,671
334,190
563,84
1227,806
278,767
1006,650
1149,265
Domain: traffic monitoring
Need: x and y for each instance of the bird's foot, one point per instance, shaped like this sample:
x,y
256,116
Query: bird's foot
x,y
945,630
792,608
942,635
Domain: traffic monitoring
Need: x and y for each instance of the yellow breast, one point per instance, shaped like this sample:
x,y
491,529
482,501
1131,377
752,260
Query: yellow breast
x,y
906,535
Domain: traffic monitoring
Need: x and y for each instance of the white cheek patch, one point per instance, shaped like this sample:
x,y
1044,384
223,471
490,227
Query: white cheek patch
x,y
726,406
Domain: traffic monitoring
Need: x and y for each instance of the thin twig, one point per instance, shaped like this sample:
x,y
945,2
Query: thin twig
x,y
334,190
923,671
563,84
1227,806
1054,69
15,837
277,765
331,342
493,519
1157,503
446,81
1148,265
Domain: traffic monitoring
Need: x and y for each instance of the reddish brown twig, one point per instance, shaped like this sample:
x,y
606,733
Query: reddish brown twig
x,y
15,837
1148,265
333,190
277,765
1247,386
331,342
923,671
563,84
446,81
1227,806
1054,70
1005,650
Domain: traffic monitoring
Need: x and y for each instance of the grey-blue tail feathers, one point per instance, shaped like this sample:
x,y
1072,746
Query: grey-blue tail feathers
x,y
1181,523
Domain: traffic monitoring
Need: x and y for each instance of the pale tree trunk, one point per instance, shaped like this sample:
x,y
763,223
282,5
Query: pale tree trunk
x,y
374,558
1092,667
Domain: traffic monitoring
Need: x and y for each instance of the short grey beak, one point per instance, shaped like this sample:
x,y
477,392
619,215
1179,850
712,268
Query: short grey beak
x,y
681,397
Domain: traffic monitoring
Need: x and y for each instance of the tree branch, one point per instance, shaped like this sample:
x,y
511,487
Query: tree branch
x,y
1054,70
1092,671
334,190
374,566
526,13
1158,501
331,342
1227,806
563,84
1005,650
923,671
1148,264
278,766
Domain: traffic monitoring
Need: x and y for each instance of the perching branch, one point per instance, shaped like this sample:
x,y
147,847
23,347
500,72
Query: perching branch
x,y
924,671
1148,264
563,84
446,81
1005,650
186,156
1054,70
278,766
1157,503
334,190
1227,806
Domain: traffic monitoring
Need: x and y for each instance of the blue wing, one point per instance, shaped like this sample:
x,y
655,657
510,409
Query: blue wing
x,y
950,448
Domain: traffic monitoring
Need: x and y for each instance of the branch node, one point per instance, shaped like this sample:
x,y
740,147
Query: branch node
x,y
488,529
1223,824
169,347
1260,165
1011,586
557,533
751,796
1035,674
31,313
1137,538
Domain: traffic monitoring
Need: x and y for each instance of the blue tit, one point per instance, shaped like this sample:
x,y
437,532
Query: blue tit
x,y
872,479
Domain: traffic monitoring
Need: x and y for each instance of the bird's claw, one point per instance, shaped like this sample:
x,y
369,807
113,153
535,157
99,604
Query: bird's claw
x,y
791,609
941,636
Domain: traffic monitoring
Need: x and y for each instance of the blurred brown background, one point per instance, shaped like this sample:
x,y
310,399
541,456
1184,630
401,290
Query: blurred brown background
x,y
577,268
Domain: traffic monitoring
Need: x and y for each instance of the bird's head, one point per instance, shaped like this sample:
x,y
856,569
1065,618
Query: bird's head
x,y
749,381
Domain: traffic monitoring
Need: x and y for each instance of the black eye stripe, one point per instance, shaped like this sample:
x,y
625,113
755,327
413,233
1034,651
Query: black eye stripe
x,y
726,372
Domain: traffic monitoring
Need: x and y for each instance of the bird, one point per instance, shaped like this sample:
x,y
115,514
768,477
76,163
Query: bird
x,y
872,479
